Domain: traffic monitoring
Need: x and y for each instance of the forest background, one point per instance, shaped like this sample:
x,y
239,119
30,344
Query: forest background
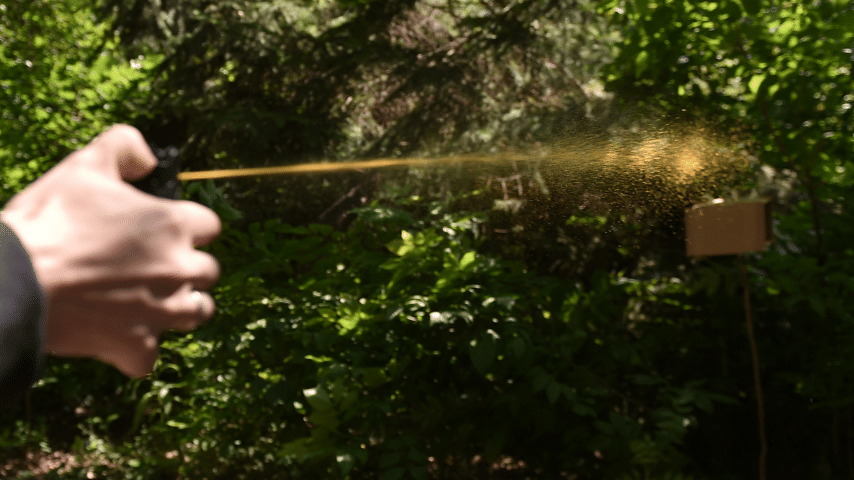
x,y
533,318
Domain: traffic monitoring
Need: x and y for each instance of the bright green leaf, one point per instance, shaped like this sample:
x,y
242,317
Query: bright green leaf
x,y
467,260
756,82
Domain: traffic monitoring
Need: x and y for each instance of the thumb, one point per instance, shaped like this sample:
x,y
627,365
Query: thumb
x,y
122,151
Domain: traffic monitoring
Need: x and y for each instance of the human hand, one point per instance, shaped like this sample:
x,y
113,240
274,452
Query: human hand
x,y
117,266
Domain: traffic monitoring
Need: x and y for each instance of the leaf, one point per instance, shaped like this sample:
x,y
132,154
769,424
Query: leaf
x,y
773,88
321,229
348,323
641,63
605,427
440,318
752,7
467,261
278,393
494,445
389,459
418,473
394,216
607,5
482,352
645,380
786,27
176,424
583,410
705,404
734,10
553,392
518,346
756,82
317,398
298,447
393,474
541,379
324,418
402,246
417,456
818,306
345,462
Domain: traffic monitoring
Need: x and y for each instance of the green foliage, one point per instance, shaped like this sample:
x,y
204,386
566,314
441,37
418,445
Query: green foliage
x,y
438,335
391,350
61,83
781,73
358,79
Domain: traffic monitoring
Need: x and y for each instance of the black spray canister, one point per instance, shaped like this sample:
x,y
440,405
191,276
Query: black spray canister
x,y
163,180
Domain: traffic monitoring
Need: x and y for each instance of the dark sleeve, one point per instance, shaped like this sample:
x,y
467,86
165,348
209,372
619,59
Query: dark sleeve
x,y
22,308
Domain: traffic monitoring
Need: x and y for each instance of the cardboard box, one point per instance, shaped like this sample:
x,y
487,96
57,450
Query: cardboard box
x,y
728,228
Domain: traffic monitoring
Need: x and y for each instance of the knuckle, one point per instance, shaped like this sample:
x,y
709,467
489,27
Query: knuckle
x,y
178,214
86,156
174,220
